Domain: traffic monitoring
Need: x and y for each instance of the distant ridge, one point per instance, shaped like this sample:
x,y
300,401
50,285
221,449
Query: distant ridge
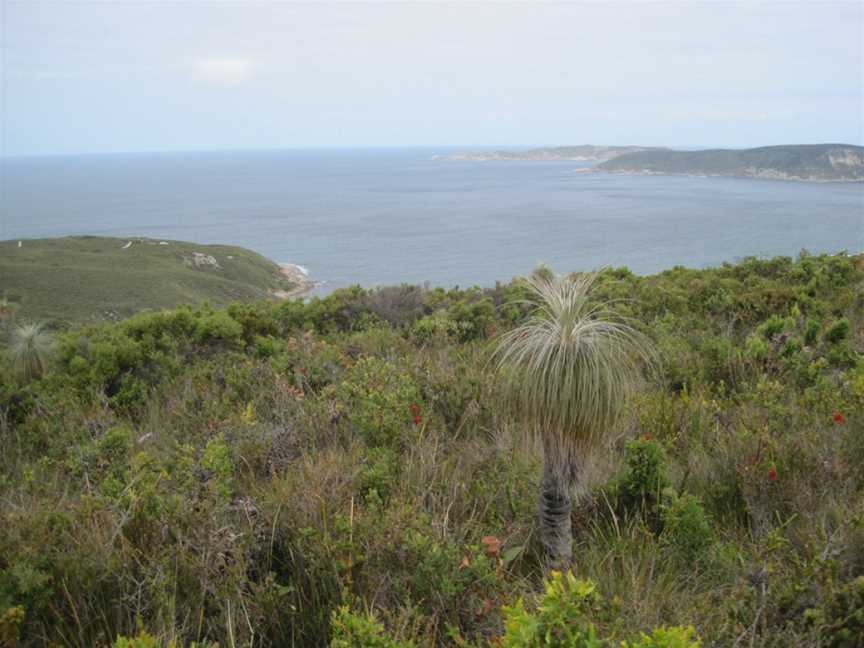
x,y
582,153
807,162
803,162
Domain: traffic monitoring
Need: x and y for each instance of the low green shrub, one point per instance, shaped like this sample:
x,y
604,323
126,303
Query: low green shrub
x,y
358,630
811,332
838,331
644,480
382,402
674,637
687,528
559,620
840,620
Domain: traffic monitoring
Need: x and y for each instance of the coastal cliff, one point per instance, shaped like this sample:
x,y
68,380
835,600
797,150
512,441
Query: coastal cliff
x,y
803,162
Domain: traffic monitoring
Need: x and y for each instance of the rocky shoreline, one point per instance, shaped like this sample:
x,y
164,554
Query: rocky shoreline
x,y
756,174
299,276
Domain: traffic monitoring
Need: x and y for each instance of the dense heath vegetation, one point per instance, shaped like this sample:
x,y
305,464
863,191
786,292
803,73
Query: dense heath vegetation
x,y
346,472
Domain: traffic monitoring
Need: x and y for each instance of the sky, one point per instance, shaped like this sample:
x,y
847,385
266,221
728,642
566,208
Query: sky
x,y
150,75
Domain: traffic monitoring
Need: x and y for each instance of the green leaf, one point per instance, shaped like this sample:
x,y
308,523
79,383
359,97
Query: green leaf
x,y
512,554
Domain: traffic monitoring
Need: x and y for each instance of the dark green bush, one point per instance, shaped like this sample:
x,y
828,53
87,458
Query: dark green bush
x,y
644,480
838,331
811,332
686,527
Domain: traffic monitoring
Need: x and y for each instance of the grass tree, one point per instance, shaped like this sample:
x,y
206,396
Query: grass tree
x,y
29,348
569,370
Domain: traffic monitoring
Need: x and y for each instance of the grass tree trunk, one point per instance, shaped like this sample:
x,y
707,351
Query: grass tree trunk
x,y
556,505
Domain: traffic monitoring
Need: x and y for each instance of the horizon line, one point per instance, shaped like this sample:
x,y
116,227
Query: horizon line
x,y
391,147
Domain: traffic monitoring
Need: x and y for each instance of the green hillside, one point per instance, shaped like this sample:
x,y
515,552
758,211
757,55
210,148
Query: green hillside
x,y
351,471
89,279
817,162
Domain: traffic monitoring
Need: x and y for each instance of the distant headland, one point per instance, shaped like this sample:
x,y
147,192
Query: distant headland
x,y
88,279
802,162
582,153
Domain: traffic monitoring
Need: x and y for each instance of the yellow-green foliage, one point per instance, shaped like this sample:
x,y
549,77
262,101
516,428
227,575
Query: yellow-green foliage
x,y
145,640
353,630
560,620
10,625
217,461
562,616
674,637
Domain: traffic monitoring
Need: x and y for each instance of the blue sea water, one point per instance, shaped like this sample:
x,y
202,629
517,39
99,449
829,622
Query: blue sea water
x,y
390,216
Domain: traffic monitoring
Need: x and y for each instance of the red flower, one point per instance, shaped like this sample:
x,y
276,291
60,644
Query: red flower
x,y
415,409
772,474
838,417
418,419
492,544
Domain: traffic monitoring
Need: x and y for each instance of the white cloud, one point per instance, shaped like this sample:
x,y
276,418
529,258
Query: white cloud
x,y
223,71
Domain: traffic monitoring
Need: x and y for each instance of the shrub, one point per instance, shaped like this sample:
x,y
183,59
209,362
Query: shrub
x,y
645,478
353,630
145,640
142,640
663,637
10,625
218,327
378,473
791,348
560,619
217,462
433,329
811,332
841,619
838,331
772,326
686,527
266,346
397,305
382,401
756,348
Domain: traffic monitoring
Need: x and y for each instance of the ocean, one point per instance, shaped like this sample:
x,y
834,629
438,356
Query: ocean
x,y
379,217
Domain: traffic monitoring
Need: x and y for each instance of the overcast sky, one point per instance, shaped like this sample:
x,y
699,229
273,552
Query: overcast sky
x,y
104,76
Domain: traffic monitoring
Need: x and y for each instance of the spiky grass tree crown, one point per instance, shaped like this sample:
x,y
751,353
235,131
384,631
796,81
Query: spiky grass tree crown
x,y
571,367
29,348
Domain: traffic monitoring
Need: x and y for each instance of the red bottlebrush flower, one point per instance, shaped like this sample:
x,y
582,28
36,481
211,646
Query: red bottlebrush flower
x,y
838,418
415,409
418,419
772,474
